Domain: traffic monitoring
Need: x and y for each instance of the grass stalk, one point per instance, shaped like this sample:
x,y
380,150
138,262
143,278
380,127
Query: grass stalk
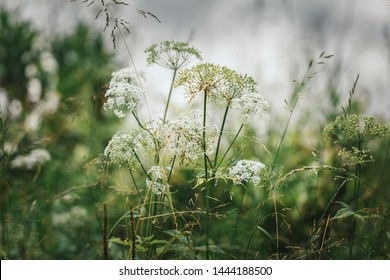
x,y
105,232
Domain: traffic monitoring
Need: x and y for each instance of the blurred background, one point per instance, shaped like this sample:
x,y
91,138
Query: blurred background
x,y
56,60
270,40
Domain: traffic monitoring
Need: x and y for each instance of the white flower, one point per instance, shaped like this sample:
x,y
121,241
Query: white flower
x,y
10,148
123,97
251,104
34,158
123,93
246,171
157,180
128,147
184,137
124,75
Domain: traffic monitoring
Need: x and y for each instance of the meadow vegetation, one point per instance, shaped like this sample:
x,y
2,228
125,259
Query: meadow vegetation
x,y
87,171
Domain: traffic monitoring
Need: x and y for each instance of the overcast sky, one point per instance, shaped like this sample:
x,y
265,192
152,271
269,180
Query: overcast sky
x,y
271,40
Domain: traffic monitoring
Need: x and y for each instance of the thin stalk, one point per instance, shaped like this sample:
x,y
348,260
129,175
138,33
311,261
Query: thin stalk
x,y
230,146
169,95
135,184
156,143
150,211
357,194
207,197
284,134
172,208
135,70
276,223
220,136
238,215
105,236
132,235
295,97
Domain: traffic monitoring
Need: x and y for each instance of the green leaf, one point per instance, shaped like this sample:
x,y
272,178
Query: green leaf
x,y
212,248
120,241
343,213
266,233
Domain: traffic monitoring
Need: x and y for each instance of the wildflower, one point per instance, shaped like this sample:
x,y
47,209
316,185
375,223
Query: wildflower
x,y
355,127
184,136
123,94
220,83
246,171
34,158
355,156
157,180
171,54
123,75
251,104
126,147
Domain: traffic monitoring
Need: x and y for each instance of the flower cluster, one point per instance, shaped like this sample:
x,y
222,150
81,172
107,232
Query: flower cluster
x,y
184,137
124,75
34,158
123,93
126,147
355,127
219,82
355,156
246,171
171,54
251,104
157,180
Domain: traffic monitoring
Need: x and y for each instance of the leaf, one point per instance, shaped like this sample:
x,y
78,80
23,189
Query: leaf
x,y
343,213
358,216
120,241
344,204
212,248
266,233
155,242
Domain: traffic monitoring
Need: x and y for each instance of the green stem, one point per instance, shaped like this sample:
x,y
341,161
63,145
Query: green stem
x,y
220,135
357,194
276,223
238,215
155,141
135,184
169,95
230,146
207,197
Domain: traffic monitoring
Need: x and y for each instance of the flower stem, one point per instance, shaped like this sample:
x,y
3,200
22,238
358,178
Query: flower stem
x,y
220,136
357,193
238,215
207,197
169,95
230,146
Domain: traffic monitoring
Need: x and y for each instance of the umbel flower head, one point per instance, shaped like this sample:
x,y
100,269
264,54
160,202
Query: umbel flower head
x,y
157,180
246,171
219,82
251,104
354,127
184,137
123,94
127,147
171,54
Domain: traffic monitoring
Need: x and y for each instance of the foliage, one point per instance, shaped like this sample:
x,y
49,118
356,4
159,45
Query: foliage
x,y
80,182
